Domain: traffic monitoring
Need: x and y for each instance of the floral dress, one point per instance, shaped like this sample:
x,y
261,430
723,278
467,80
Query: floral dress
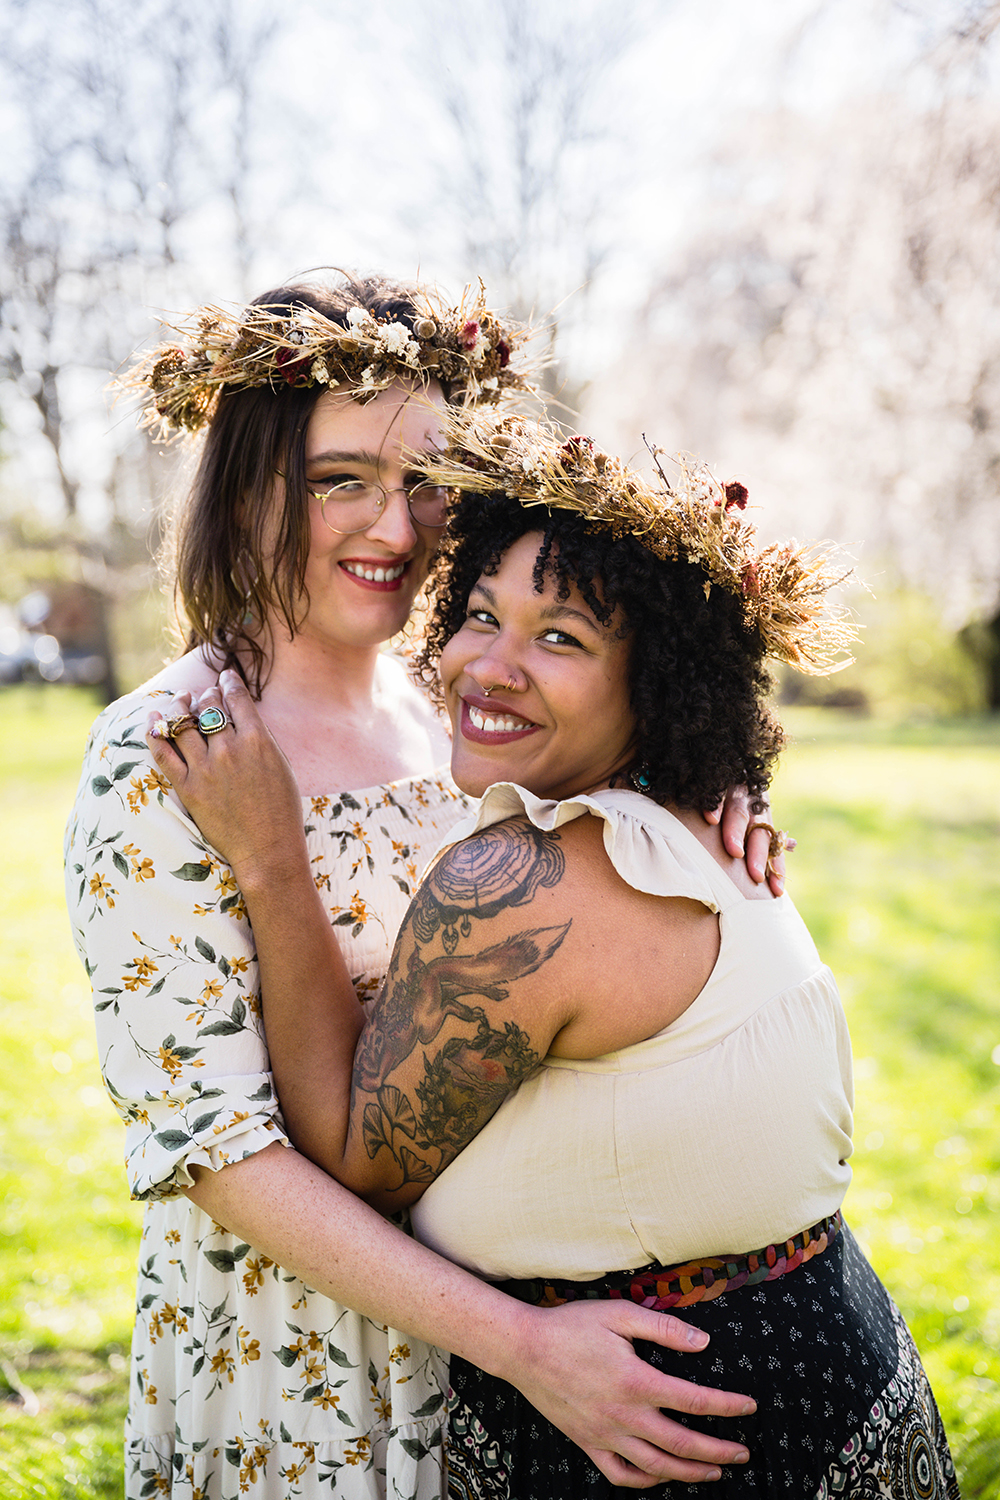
x,y
244,1380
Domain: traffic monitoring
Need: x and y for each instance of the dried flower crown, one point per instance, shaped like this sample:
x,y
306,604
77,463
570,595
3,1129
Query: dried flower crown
x,y
783,588
467,347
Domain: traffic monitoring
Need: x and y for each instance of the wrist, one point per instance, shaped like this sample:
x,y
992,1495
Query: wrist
x,y
261,871
509,1343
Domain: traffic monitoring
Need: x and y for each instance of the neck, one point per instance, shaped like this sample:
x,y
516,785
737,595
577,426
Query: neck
x,y
305,671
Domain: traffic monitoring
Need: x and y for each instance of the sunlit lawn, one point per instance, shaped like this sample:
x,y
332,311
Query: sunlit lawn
x,y
898,876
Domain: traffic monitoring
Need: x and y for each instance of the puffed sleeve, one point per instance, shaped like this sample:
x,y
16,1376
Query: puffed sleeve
x,y
163,933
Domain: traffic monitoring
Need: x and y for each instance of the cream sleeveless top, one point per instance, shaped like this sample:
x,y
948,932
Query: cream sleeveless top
x,y
728,1130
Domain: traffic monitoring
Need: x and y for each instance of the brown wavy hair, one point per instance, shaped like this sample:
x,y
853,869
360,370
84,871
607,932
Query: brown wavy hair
x,y
236,563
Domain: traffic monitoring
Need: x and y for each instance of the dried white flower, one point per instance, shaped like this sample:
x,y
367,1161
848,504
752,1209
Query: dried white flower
x,y
360,320
394,337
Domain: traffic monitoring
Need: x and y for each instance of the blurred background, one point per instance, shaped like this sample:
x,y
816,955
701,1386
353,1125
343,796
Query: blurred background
x,y
767,234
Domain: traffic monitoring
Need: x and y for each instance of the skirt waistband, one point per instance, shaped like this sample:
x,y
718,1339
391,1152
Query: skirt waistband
x,y
663,1287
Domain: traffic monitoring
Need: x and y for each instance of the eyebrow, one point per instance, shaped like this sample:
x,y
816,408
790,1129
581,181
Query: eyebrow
x,y
353,456
335,456
550,612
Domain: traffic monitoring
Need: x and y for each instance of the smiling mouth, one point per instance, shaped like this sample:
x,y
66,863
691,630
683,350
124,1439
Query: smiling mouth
x,y
493,728
491,724
372,574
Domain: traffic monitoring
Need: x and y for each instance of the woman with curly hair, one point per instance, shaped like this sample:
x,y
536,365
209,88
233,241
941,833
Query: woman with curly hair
x,y
605,1065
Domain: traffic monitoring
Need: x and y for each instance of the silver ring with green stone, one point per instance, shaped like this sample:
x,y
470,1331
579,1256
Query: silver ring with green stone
x,y
211,720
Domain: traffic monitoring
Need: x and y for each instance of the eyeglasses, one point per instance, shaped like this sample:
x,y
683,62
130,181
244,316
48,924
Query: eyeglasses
x,y
353,505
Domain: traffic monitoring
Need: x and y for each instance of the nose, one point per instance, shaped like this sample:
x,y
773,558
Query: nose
x,y
495,669
394,526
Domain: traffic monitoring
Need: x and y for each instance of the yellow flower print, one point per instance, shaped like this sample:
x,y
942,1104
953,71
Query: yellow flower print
x,y
172,1237
313,1371
175,942
150,1390
197,1491
295,1471
102,889
249,1351
223,1364
137,794
327,1400
315,1341
239,965
143,871
320,805
172,1064
253,1276
155,1328
226,884
397,1355
361,1451
212,990
144,967
357,909
321,882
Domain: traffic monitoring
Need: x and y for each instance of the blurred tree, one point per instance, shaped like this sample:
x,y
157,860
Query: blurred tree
x,y
128,121
836,324
536,100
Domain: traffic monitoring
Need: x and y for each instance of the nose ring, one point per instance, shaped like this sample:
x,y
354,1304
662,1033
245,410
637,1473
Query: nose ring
x,y
508,687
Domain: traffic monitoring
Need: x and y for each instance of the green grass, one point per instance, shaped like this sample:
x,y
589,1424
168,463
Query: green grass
x,y
898,878
68,1233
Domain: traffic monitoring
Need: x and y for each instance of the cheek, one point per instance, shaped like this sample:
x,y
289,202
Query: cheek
x,y
452,660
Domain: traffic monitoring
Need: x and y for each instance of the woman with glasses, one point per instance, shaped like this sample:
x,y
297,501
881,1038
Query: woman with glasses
x,y
266,1356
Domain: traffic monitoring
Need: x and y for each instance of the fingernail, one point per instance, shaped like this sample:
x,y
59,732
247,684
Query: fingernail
x,y
713,1474
742,1457
749,1409
779,885
696,1338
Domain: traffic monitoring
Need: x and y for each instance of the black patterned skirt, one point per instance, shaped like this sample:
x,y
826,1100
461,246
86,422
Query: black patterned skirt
x,y
844,1408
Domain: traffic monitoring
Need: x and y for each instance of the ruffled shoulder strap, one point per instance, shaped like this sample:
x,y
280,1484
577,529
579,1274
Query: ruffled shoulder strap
x,y
650,849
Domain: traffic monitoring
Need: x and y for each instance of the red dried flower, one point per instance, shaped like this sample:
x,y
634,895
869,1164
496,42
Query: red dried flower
x,y
294,369
503,349
469,334
575,447
750,580
736,495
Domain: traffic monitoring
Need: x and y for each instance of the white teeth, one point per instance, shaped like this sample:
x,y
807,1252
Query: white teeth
x,y
489,725
376,575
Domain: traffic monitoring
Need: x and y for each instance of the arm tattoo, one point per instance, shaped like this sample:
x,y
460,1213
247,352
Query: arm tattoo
x,y
466,1080
499,868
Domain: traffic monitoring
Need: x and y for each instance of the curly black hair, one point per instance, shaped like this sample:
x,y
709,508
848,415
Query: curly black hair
x,y
698,687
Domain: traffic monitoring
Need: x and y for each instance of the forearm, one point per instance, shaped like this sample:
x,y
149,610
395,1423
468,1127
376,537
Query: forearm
x,y
312,1015
287,1207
